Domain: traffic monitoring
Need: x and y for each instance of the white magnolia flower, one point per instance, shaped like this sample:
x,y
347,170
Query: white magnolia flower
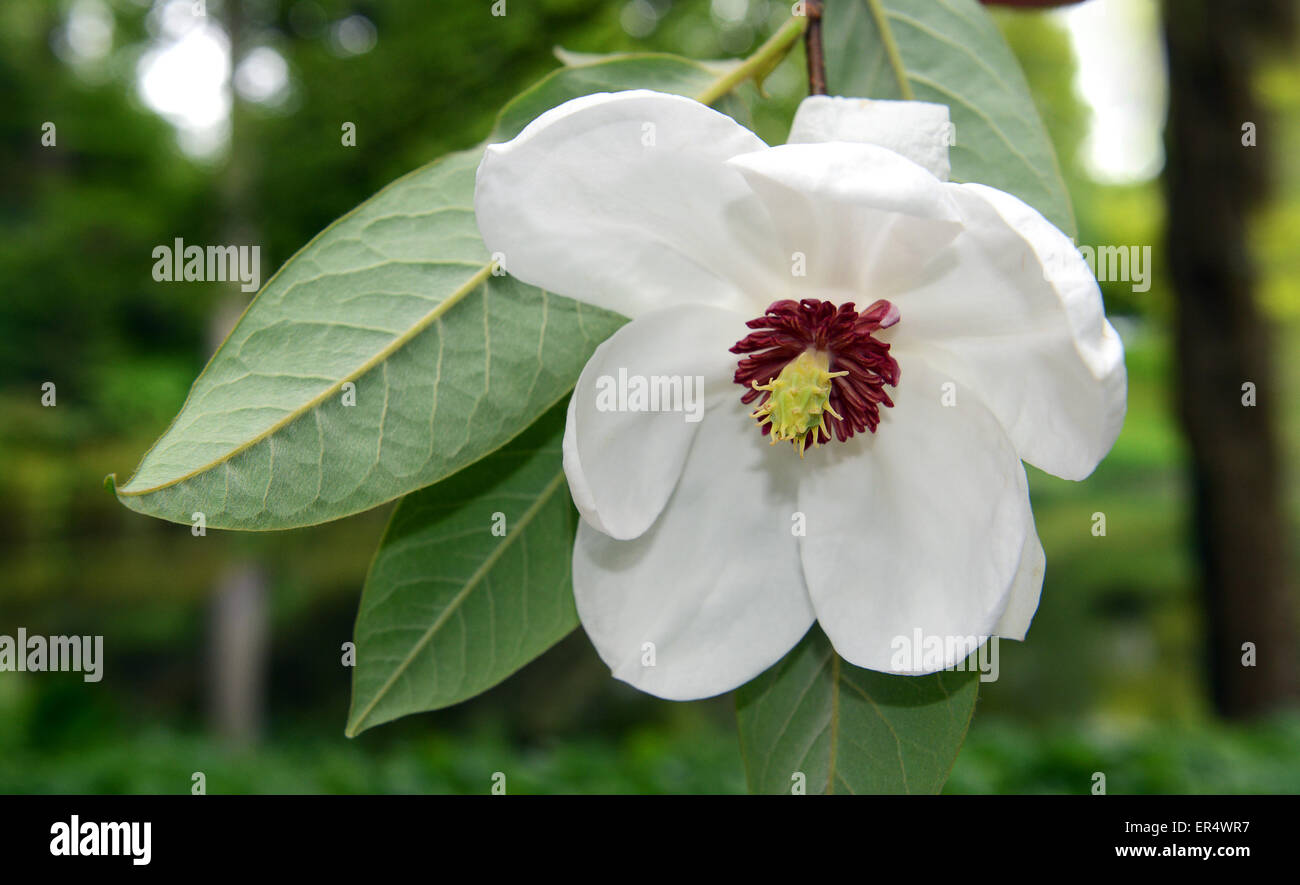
x,y
705,553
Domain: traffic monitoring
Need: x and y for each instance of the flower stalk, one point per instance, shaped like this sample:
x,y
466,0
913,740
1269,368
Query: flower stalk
x,y
761,63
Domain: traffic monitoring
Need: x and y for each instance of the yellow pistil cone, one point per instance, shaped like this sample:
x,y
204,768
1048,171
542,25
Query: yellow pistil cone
x,y
797,400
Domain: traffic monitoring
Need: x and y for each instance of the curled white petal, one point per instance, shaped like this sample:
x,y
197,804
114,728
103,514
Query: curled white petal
x,y
1022,602
623,200
636,409
713,594
1012,310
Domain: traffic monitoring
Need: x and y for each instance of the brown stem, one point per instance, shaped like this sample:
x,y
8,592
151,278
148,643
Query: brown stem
x,y
813,43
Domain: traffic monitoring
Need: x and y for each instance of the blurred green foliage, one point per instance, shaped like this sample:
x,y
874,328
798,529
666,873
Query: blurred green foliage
x,y
1109,680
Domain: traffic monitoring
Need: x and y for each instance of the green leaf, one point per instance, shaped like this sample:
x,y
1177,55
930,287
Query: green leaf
x,y
397,297
471,582
849,730
719,67
611,73
951,52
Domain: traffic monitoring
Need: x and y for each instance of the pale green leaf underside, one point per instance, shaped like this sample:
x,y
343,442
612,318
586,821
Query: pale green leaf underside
x,y
397,297
951,52
849,730
451,608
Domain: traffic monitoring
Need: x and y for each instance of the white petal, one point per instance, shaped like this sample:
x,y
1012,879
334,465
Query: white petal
x,y
623,200
715,584
1025,589
855,221
918,130
915,531
1012,311
622,465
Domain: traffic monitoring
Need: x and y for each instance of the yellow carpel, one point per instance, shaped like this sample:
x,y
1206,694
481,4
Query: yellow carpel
x,y
797,400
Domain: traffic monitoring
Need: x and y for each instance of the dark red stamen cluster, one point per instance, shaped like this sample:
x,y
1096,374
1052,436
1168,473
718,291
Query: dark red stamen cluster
x,y
845,335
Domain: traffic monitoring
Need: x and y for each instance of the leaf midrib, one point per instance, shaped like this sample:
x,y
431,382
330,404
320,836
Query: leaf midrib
x,y
380,357
891,49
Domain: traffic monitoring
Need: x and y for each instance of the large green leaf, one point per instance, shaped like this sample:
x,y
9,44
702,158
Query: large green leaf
x,y
398,298
849,730
951,52
471,582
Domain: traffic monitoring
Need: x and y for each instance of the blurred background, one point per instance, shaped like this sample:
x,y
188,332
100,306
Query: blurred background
x,y
223,652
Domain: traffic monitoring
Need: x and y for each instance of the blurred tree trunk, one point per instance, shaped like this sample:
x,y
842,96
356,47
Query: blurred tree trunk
x,y
239,637
1212,182
240,618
